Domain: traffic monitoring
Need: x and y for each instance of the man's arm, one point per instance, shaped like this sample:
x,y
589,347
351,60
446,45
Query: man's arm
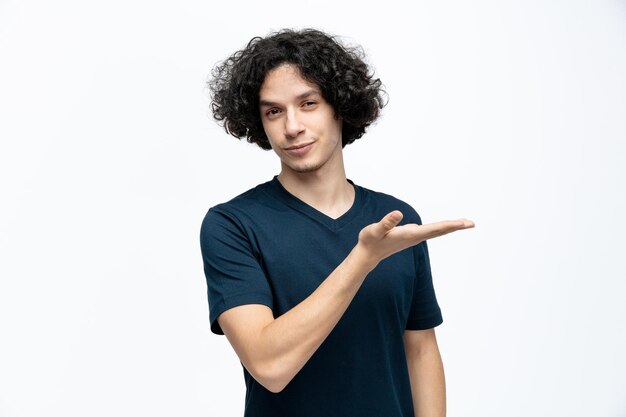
x,y
274,350
428,385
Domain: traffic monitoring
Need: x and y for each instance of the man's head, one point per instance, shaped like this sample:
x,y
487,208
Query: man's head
x,y
344,80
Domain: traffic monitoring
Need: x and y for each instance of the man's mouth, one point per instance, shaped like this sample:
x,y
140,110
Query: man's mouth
x,y
299,149
298,146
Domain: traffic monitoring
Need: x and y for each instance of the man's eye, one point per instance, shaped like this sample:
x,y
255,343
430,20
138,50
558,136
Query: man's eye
x,y
272,112
309,104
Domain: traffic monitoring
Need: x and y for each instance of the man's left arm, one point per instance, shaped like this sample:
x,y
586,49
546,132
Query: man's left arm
x,y
428,386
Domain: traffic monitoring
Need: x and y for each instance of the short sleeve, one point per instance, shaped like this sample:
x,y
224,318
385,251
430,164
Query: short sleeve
x,y
425,312
233,274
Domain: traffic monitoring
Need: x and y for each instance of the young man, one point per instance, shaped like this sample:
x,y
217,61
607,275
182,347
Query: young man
x,y
322,287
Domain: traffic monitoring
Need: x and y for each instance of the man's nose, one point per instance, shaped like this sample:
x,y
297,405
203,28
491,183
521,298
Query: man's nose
x,y
293,124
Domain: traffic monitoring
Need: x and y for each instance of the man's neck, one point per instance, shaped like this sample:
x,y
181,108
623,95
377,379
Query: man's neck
x,y
332,195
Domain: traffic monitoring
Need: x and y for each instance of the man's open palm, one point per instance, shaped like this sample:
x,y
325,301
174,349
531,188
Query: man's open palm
x,y
385,238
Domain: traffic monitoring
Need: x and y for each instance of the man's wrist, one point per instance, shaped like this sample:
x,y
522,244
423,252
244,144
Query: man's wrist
x,y
363,257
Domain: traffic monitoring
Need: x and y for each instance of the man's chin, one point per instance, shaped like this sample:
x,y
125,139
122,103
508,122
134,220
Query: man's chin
x,y
303,169
307,169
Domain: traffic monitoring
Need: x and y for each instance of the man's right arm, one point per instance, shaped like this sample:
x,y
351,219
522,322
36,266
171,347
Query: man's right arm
x,y
274,350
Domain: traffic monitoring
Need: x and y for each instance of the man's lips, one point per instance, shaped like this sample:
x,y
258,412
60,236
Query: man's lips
x,y
300,150
298,146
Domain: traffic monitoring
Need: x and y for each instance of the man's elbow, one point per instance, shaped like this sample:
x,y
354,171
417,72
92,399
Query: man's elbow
x,y
272,376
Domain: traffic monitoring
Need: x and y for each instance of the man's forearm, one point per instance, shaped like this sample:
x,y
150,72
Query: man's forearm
x,y
295,336
428,385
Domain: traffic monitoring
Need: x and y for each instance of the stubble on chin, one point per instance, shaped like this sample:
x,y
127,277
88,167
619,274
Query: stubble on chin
x,y
303,168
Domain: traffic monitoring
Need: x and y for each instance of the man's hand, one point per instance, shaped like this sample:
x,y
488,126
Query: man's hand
x,y
378,241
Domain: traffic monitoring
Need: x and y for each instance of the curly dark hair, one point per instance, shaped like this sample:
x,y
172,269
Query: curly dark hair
x,y
343,77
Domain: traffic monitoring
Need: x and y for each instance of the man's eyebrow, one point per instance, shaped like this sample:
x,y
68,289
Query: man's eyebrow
x,y
306,94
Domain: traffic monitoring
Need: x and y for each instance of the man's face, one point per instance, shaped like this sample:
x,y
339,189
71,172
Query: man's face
x,y
294,113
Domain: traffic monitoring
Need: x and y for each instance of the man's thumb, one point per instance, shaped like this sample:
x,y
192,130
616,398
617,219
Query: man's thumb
x,y
391,220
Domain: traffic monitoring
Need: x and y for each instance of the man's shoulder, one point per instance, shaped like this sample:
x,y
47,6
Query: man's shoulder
x,y
242,206
245,199
389,202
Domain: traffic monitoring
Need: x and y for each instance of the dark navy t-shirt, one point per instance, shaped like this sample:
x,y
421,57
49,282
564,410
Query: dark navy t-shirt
x,y
268,247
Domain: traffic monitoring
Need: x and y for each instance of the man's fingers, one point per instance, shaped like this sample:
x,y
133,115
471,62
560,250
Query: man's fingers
x,y
444,227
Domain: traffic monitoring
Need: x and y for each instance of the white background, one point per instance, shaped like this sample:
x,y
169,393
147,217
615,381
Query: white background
x,y
510,113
